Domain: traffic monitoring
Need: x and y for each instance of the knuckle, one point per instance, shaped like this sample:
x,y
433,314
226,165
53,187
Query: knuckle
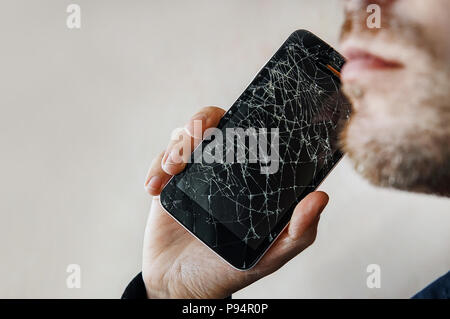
x,y
177,134
212,110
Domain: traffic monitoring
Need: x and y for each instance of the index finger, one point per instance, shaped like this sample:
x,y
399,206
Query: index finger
x,y
179,150
158,176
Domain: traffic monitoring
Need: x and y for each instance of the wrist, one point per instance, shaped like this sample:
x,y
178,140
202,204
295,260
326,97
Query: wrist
x,y
154,290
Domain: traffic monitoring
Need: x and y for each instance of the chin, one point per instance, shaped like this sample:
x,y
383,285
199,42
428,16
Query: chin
x,y
403,152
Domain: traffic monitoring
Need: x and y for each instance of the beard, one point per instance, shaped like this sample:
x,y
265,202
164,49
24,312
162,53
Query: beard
x,y
408,151
398,135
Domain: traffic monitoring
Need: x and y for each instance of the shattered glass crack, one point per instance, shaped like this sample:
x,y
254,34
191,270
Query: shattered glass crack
x,y
299,96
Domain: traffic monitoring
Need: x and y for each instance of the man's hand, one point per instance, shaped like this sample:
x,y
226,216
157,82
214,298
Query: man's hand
x,y
177,265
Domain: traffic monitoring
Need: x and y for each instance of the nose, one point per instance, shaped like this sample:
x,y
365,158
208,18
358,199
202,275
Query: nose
x,y
357,11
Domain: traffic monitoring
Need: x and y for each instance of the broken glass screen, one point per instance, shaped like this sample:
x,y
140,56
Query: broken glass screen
x,y
274,146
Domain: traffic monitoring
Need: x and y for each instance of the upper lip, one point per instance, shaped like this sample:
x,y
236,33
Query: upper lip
x,y
354,54
364,62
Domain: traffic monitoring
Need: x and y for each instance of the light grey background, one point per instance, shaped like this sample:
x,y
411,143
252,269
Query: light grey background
x,y
83,112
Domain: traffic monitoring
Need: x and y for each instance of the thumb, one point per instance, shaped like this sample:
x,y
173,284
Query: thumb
x,y
306,213
300,233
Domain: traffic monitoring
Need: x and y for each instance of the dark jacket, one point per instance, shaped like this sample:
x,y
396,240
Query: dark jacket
x,y
438,289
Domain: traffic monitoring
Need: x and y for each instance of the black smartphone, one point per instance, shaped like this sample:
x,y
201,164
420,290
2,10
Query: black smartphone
x,y
277,143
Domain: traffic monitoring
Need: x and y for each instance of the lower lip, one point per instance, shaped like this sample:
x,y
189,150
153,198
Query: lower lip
x,y
354,68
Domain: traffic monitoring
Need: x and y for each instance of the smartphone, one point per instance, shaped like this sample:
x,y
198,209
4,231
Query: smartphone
x,y
274,146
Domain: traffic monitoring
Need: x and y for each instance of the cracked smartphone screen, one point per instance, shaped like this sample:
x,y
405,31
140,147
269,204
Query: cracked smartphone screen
x,y
275,145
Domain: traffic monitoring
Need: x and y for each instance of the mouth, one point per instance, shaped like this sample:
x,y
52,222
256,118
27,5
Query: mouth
x,y
362,63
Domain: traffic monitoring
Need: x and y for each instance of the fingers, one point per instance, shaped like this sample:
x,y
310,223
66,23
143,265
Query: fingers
x,y
306,212
156,178
173,160
184,141
210,117
300,233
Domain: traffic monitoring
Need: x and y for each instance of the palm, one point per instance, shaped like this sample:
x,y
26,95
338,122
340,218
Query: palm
x,y
175,256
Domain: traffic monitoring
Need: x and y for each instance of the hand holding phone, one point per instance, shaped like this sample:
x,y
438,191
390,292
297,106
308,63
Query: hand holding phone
x,y
176,264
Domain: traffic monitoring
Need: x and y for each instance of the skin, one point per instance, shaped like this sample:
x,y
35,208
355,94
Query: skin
x,y
401,112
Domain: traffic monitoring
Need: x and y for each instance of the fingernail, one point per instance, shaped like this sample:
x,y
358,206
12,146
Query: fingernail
x,y
197,121
168,162
164,159
155,182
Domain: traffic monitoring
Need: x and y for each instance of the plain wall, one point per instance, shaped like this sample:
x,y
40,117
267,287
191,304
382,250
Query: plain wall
x,y
83,112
